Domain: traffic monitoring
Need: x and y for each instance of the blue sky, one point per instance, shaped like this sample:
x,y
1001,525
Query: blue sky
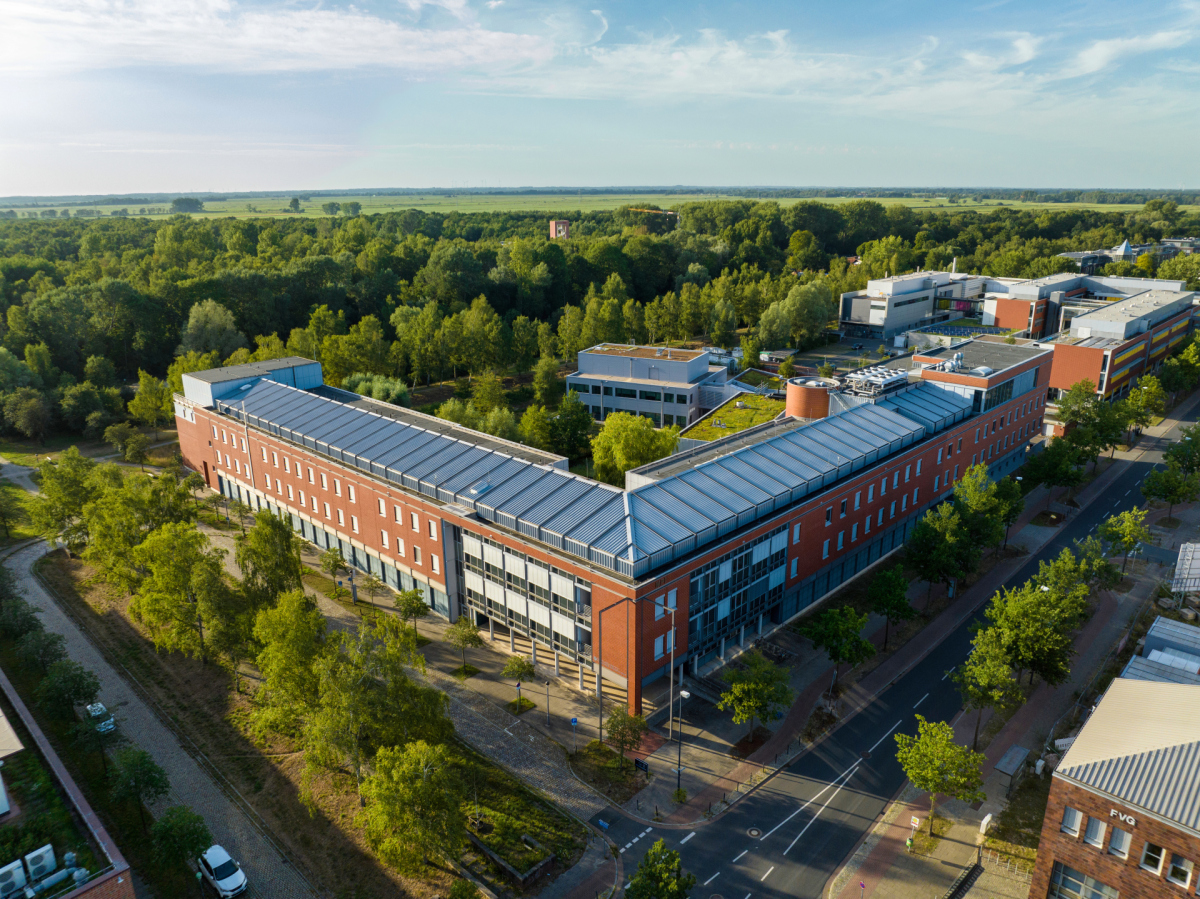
x,y
116,96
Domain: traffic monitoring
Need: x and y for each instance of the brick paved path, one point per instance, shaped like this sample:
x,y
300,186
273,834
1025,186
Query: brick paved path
x,y
270,875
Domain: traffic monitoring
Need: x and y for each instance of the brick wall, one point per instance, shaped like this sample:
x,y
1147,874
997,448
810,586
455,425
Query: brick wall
x,y
1123,875
113,885
1074,363
1012,314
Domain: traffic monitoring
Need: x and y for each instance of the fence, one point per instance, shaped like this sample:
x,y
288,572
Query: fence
x,y
1010,867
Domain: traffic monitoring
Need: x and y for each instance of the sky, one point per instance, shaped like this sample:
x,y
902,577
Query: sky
x,y
129,96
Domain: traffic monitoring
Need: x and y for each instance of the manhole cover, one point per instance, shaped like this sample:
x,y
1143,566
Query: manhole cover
x,y
866,754
716,896
754,832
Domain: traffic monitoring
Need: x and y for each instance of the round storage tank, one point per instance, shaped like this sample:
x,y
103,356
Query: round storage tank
x,y
808,397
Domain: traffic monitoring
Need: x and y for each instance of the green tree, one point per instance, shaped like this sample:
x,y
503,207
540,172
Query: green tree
x,y
570,428
137,450
888,596
1125,531
137,778
985,679
179,836
88,736
100,372
1010,503
1171,485
66,685
1186,452
537,427
292,636
975,499
755,691
410,605
333,563
787,368
463,634
519,668
487,393
211,328
625,732
39,649
118,435
66,487
629,441
546,385
1034,629
413,806
151,404
331,208
839,632
269,559
11,511
936,764
28,412
659,875
939,548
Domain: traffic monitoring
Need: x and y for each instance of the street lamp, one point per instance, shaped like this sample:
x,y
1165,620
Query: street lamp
x,y
683,694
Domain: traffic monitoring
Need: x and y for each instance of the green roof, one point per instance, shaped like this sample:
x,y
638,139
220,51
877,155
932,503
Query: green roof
x,y
758,378
755,410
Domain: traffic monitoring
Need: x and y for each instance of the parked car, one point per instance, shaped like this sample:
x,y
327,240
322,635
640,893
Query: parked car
x,y
101,716
222,872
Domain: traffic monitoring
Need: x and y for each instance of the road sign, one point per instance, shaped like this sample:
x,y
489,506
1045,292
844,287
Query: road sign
x,y
916,822
641,765
574,722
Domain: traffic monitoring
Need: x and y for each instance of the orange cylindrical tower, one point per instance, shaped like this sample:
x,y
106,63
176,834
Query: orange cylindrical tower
x,y
808,397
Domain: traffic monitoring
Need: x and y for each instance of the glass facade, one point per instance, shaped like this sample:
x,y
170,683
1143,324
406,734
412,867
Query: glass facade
x,y
1067,883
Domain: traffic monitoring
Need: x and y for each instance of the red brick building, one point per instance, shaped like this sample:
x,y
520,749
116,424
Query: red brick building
x,y
1123,819
732,538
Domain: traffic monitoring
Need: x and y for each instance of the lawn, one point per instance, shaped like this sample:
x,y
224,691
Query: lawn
x,y
923,843
20,528
616,778
746,411
1016,830
758,378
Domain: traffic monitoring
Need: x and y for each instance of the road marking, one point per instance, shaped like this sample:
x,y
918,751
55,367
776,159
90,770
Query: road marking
x,y
747,896
1127,492
711,879
919,701
688,837
884,737
948,673
818,814
814,799
740,854
764,877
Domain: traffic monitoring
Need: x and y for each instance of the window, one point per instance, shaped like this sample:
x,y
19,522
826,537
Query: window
x,y
974,458
857,500
841,539
1180,871
214,427
842,510
652,395
681,399
935,485
264,452
1094,835
433,561
883,486
314,502
278,486
659,605
310,475
916,490
224,436
354,523
658,647
960,444
243,444
383,539
977,435
416,522
399,517
416,555
871,493
829,516
794,563
432,529
626,393
1071,820
668,398
382,509
289,488
867,525
595,388
896,479
854,532
1067,883
324,482
939,459
796,533
400,547
326,509
907,472
337,487
275,459
341,517
1119,844
1152,857
287,465
904,502
350,488
825,550
892,514
880,521
956,472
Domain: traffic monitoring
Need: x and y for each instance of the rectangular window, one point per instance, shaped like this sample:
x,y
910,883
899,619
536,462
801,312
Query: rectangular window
x,y
681,399
275,459
956,472
907,472
399,516
974,458
287,465
310,475
919,461
354,523
626,393
871,493
237,466
659,605
658,647
400,547
825,550
916,490
1067,883
432,529
867,525
324,482
433,561
904,502
341,517
841,539
857,500
880,521
289,489
264,452
883,486
977,435
416,522
1094,835
383,539
224,436
935,485
1119,844
243,444
1180,871
939,458
314,502
326,509
382,509
842,511
337,487
416,555
796,533
829,516
278,486
1152,858
892,514
1071,819
854,532
896,480
214,427
652,395
350,489
960,444
794,564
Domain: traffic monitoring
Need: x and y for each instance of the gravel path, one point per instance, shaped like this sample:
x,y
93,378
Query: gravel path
x,y
270,875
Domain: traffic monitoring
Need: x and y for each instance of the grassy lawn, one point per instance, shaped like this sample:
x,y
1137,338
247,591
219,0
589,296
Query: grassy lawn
x,y
517,707
462,672
748,410
758,378
1016,830
21,528
163,455
923,843
613,776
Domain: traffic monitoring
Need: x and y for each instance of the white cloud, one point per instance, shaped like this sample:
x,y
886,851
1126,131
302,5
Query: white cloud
x,y
225,35
1102,54
492,4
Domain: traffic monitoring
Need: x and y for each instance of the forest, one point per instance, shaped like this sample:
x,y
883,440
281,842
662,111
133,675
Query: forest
x,y
91,306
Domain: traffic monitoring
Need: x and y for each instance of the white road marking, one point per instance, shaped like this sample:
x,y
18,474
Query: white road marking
x,y
747,896
711,879
1127,492
811,801
764,877
921,700
818,814
884,737
740,854
688,837
948,673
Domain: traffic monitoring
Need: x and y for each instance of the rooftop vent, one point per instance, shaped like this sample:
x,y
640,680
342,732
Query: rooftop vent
x,y
481,488
983,371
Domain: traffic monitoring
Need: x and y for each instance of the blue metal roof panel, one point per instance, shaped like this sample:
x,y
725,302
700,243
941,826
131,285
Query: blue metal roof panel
x,y
571,489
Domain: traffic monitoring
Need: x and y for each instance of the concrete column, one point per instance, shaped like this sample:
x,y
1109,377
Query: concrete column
x,y
556,664
722,652
760,621
742,636
533,643
512,643
492,629
581,677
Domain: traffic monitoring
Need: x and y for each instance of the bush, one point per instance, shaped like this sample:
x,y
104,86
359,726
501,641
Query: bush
x,y
378,387
18,618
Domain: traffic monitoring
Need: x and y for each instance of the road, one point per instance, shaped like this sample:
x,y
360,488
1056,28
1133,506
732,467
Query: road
x,y
790,836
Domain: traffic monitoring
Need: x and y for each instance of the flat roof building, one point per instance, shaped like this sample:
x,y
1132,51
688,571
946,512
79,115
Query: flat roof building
x,y
738,535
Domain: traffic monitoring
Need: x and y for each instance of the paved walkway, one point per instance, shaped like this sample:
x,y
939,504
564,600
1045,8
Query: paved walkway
x,y
269,873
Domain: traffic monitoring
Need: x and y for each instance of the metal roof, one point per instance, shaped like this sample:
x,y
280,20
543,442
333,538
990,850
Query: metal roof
x,y
632,532
1140,668
249,369
1187,569
1141,746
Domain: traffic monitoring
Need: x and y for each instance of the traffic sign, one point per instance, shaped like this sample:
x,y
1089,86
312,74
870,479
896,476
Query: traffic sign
x,y
916,822
574,722
641,765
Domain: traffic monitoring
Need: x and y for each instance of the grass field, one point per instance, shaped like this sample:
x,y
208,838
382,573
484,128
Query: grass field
x,y
563,203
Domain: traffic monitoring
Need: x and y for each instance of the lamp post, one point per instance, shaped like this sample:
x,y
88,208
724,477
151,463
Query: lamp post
x,y
547,703
683,694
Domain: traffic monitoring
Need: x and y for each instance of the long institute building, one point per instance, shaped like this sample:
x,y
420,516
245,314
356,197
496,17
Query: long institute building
x,y
726,539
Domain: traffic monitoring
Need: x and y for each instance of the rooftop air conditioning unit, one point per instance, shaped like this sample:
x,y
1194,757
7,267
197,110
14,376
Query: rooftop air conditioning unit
x,y
12,878
40,862
658,352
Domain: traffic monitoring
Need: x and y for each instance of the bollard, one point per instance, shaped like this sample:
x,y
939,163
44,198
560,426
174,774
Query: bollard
x,y
656,810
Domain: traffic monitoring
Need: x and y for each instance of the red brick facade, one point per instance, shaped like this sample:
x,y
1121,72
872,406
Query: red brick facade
x,y
1126,875
113,885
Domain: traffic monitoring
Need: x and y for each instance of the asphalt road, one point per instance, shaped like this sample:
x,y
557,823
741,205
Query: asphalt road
x,y
789,837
